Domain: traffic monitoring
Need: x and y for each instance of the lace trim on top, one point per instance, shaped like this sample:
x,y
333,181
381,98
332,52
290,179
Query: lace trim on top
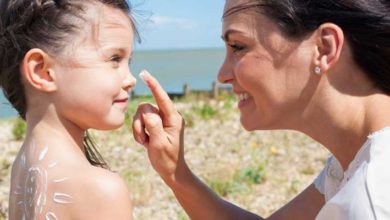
x,y
333,177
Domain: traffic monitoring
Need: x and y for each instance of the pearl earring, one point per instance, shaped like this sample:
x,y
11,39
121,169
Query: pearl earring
x,y
317,70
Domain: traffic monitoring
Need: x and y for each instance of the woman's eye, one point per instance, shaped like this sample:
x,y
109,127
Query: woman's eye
x,y
236,47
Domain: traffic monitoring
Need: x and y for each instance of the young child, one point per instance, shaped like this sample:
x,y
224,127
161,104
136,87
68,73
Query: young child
x,y
64,67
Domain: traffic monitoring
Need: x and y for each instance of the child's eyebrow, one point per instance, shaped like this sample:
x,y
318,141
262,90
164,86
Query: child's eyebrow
x,y
121,50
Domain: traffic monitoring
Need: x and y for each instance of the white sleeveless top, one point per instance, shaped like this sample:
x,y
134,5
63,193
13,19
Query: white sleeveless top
x,y
362,192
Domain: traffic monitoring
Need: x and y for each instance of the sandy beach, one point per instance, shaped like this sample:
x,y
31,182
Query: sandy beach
x,y
259,171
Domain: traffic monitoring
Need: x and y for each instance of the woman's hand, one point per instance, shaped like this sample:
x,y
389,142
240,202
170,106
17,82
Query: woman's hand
x,y
160,129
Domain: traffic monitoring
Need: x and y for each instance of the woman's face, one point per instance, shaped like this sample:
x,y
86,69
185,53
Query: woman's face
x,y
93,82
269,72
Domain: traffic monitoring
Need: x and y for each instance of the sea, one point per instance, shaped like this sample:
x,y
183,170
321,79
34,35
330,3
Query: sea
x,y
197,68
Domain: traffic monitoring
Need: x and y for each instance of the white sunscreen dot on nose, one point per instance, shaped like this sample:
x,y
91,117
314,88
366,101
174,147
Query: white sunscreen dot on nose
x,y
143,74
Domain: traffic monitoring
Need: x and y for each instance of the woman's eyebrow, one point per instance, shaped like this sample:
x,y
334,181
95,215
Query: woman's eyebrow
x,y
228,33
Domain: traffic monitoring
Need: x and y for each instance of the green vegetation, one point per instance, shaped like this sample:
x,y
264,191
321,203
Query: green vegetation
x,y
18,129
189,119
294,186
181,215
308,170
207,110
252,175
240,181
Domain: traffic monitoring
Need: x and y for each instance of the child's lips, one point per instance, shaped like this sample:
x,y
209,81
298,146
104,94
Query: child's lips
x,y
121,103
123,100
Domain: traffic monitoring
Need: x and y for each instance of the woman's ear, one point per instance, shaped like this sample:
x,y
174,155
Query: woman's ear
x,y
330,42
38,70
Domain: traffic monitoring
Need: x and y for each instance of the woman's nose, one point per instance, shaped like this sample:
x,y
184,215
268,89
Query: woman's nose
x,y
225,74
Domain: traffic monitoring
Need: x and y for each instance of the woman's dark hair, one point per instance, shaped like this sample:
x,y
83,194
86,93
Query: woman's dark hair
x,y
366,25
48,25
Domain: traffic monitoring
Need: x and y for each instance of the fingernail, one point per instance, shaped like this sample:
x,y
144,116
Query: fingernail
x,y
148,109
144,74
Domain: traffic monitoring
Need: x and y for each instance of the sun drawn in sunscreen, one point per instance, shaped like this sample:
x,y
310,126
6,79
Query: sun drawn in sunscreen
x,y
32,192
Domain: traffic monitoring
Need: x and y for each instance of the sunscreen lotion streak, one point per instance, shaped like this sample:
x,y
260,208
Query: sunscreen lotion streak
x,y
32,192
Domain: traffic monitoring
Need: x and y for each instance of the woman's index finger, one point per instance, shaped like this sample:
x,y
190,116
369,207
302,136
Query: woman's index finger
x,y
162,99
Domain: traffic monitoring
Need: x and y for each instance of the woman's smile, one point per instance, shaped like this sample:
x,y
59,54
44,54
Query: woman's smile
x,y
244,99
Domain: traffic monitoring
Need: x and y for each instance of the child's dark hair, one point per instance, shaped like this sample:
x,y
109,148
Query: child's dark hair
x,y
48,25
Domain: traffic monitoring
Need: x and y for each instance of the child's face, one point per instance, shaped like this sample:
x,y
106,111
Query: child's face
x,y
94,81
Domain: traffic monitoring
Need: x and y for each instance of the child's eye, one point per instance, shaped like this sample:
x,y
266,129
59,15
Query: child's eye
x,y
236,47
116,58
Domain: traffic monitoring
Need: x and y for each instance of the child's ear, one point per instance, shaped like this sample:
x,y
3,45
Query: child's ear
x,y
330,42
38,70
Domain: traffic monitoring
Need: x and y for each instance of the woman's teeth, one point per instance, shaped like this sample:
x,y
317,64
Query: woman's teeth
x,y
243,96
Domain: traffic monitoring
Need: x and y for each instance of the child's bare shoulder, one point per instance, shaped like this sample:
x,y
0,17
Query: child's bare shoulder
x,y
108,183
100,194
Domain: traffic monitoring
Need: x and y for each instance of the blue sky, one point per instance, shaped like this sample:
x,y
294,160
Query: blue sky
x,y
179,24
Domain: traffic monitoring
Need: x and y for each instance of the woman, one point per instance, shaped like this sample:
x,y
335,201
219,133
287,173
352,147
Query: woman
x,y
320,67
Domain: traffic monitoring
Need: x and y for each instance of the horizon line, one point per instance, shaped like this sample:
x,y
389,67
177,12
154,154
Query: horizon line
x,y
176,49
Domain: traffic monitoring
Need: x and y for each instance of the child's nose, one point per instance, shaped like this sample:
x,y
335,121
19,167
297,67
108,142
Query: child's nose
x,y
129,82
